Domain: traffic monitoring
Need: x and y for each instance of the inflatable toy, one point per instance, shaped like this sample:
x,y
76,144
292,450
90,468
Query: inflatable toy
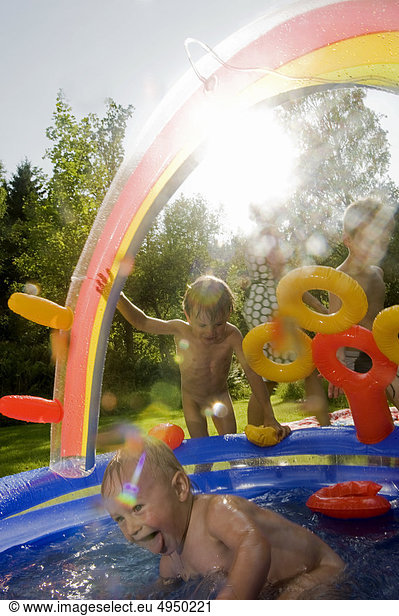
x,y
261,436
365,391
169,433
31,408
300,368
386,331
41,310
351,499
294,284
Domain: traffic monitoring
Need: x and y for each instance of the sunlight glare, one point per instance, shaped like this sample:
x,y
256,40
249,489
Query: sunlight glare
x,y
249,159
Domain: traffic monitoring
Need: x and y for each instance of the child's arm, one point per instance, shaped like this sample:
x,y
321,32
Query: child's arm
x,y
314,303
326,567
301,586
135,316
166,569
144,323
334,304
251,553
258,388
167,583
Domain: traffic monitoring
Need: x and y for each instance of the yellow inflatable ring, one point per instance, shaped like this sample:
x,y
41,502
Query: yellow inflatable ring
x,y
294,284
385,332
300,368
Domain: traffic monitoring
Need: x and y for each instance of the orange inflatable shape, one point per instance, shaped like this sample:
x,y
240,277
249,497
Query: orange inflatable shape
x,y
169,433
31,408
41,310
351,499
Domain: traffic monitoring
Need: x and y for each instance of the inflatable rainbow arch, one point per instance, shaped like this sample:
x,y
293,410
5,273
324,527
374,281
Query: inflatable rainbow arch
x,y
309,45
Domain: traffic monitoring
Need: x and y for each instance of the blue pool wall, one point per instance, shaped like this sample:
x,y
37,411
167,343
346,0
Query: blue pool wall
x,y
28,511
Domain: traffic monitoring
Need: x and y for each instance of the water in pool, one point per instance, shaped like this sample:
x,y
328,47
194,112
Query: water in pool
x,y
96,562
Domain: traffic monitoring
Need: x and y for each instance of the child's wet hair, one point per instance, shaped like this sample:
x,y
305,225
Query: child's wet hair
x,y
209,295
159,458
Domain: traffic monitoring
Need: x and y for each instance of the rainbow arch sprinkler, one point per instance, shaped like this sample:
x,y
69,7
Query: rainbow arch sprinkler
x,y
309,45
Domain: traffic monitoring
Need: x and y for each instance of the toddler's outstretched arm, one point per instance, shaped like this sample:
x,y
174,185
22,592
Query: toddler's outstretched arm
x,y
134,315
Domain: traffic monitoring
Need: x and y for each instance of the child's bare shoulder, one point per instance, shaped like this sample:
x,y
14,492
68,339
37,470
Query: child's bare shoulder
x,y
224,504
233,334
378,271
180,328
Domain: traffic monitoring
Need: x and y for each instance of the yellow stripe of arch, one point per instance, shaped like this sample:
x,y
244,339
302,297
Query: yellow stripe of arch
x,y
362,50
354,59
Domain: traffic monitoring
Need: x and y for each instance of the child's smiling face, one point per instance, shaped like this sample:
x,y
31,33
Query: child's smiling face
x,y
207,329
157,520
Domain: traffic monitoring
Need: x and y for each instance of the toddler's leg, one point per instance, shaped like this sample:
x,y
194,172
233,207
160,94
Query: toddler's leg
x,y
316,400
196,422
393,392
223,416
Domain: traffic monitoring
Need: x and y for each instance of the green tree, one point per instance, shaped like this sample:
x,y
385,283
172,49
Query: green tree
x,y
22,199
24,346
85,156
45,223
343,155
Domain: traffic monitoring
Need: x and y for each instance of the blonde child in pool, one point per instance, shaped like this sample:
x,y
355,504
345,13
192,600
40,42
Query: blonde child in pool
x,y
197,534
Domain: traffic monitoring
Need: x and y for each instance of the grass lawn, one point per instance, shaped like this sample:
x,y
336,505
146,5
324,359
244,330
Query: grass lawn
x,y
27,446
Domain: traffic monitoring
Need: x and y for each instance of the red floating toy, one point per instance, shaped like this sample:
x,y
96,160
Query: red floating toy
x,y
31,408
169,433
351,499
365,391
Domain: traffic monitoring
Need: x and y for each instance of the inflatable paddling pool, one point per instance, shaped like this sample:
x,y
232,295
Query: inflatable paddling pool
x,y
30,506
308,46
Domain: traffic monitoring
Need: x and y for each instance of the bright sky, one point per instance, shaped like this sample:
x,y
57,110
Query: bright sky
x,y
129,50
243,167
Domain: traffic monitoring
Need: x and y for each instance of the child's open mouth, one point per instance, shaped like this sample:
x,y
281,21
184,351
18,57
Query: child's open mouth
x,y
154,542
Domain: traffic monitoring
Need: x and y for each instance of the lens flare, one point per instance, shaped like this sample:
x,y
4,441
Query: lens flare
x,y
219,410
59,340
122,435
208,411
130,490
108,401
126,266
32,288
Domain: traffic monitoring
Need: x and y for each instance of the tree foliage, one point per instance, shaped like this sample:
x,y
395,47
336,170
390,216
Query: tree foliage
x,y
343,155
85,155
45,222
